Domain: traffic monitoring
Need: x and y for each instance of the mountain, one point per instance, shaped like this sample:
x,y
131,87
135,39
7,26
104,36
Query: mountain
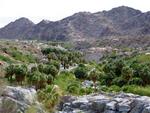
x,y
17,29
120,21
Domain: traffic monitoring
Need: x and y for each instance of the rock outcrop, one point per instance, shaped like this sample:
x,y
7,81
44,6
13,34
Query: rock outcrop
x,y
19,100
106,103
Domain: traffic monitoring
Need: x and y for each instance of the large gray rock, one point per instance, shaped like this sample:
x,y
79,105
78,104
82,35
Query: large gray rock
x,y
107,103
19,100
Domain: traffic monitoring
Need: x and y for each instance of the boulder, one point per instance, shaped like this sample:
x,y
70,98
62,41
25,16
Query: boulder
x,y
19,100
107,103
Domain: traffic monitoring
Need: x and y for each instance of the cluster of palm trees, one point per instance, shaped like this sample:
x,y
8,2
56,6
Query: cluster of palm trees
x,y
122,72
39,76
16,72
43,74
66,58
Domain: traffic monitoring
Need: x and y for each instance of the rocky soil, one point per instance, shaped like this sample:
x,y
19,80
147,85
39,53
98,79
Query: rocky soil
x,y
105,103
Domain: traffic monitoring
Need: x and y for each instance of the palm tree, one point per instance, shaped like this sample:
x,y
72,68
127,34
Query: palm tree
x,y
94,75
38,79
52,56
127,73
145,75
9,72
51,69
49,79
20,73
42,81
41,68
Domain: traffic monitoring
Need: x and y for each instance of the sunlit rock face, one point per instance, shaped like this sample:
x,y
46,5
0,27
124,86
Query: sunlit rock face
x,y
106,103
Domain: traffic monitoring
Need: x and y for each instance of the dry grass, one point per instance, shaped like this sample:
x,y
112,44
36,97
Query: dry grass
x,y
2,72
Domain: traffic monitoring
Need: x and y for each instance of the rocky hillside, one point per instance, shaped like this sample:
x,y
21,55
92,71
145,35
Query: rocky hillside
x,y
120,21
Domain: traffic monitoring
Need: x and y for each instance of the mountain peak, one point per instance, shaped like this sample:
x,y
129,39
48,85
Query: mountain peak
x,y
44,21
125,9
120,14
23,20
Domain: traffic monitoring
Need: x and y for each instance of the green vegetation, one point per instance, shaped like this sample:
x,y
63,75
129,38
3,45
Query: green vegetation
x,y
63,72
18,55
6,59
48,78
50,96
143,91
64,79
81,71
23,57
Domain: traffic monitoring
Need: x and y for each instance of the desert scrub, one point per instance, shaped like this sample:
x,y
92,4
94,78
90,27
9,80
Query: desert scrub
x,y
3,84
32,109
2,72
50,97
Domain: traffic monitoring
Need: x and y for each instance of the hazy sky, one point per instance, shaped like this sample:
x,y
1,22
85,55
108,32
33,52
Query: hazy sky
x,y
53,10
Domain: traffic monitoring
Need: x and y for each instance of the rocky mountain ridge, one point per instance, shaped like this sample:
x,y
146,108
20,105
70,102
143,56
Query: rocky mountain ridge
x,y
120,21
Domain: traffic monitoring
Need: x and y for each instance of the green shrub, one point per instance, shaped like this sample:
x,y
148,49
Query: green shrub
x,y
50,97
135,81
106,78
50,69
50,79
17,55
103,88
127,88
143,91
119,81
80,73
114,88
74,87
64,79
